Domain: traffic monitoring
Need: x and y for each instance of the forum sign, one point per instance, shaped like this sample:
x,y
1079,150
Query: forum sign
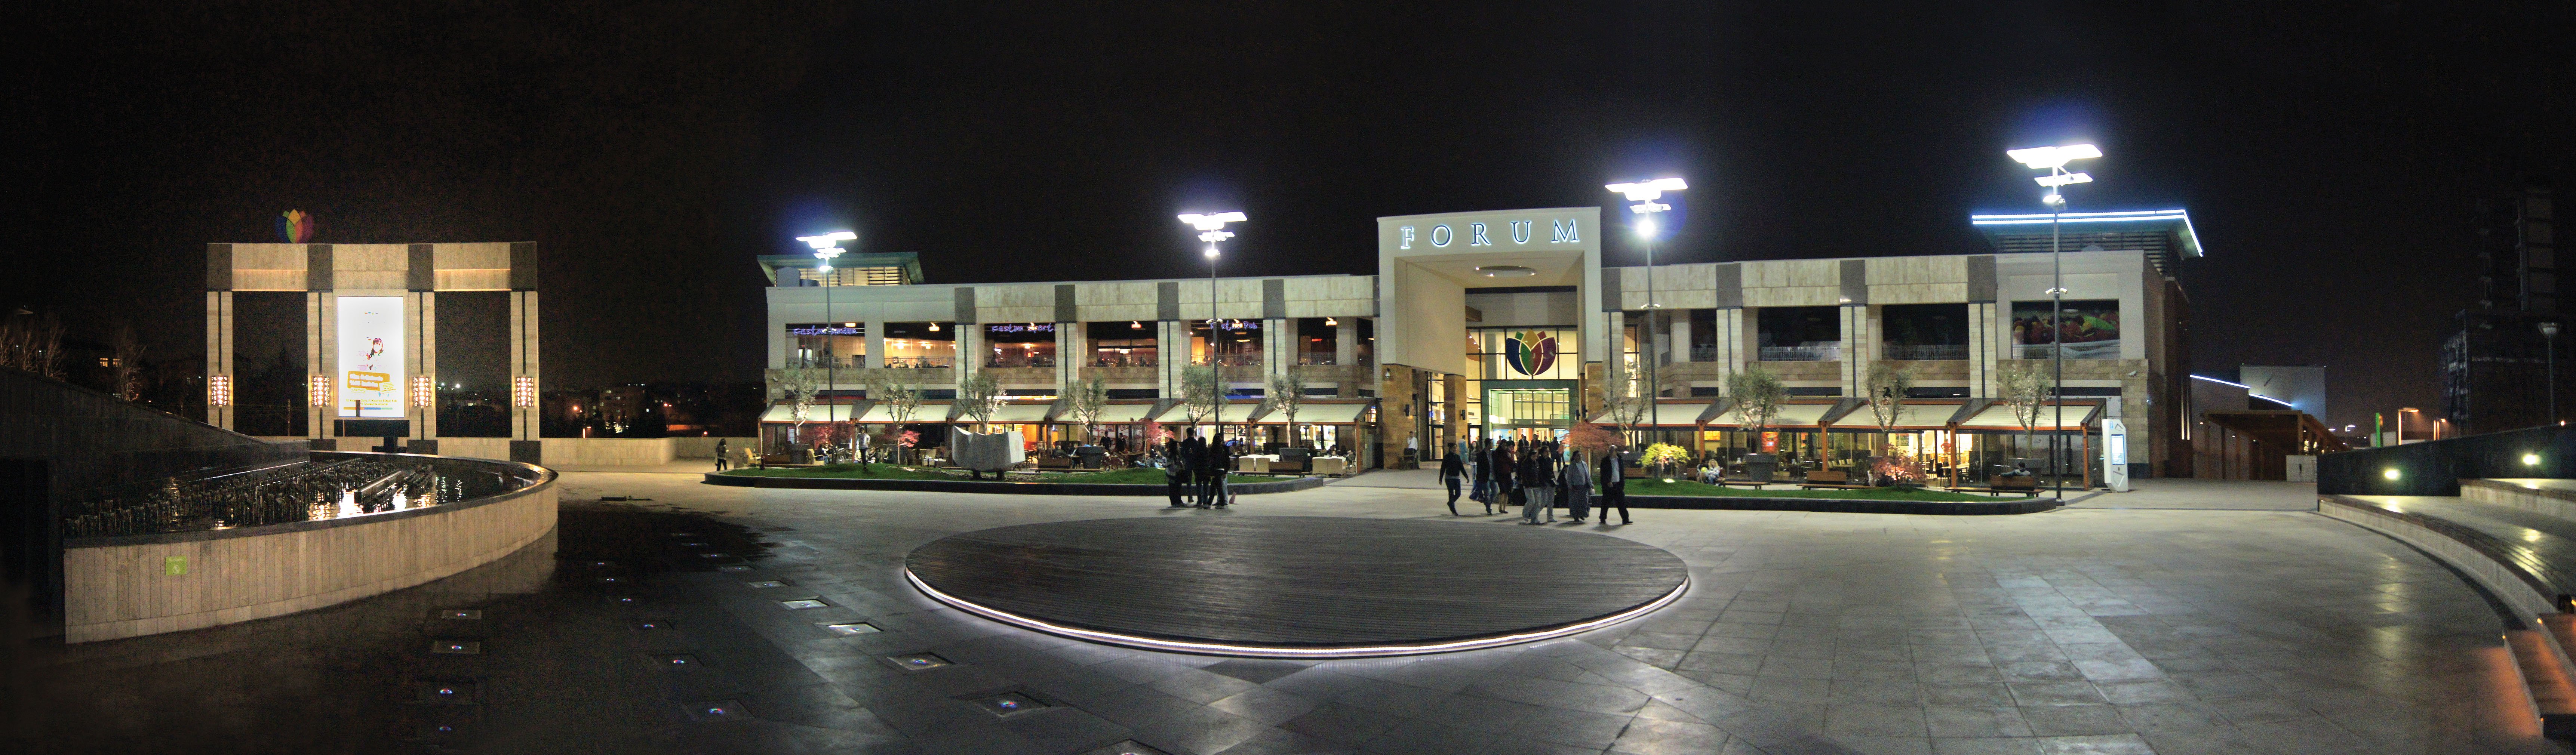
x,y
370,357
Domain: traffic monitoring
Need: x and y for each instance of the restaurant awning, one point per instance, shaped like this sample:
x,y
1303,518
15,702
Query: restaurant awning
x,y
2069,416
1017,414
813,413
1789,416
928,411
1118,413
1235,412
1666,414
1316,414
1910,416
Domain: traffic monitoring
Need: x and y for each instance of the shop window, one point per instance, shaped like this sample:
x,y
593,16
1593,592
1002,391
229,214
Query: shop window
x,y
827,344
1237,343
1019,344
920,345
1128,343
1318,340
1924,331
1703,335
2086,329
1799,334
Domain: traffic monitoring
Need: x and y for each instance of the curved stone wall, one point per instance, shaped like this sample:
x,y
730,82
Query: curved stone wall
x,y
148,584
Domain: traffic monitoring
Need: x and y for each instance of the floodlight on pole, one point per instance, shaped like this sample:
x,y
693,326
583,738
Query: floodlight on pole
x,y
827,246
2054,160
1211,228
1644,194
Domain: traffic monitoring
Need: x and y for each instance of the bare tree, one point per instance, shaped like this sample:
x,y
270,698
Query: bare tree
x,y
2024,385
1626,403
1286,394
32,342
800,386
1885,388
1088,400
981,395
125,361
900,402
1199,392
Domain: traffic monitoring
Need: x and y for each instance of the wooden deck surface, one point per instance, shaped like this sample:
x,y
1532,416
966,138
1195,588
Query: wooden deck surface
x,y
1298,581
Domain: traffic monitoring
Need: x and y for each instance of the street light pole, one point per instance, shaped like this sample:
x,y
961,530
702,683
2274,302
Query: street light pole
x,y
2549,341
1212,230
2054,160
1644,193
827,246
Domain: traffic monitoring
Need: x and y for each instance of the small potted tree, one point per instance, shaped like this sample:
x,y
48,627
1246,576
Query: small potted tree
x,y
1757,393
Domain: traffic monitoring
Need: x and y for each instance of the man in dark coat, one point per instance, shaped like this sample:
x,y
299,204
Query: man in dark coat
x,y
1453,470
1614,486
1507,491
1218,462
1193,453
1176,471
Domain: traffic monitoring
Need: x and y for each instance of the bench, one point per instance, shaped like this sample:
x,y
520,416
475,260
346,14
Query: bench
x,y
1829,480
1055,462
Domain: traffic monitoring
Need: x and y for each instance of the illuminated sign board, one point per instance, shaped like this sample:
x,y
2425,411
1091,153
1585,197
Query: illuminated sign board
x,y
370,379
1029,328
823,330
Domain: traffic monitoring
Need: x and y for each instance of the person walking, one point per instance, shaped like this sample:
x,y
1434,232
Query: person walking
x,y
1453,470
1538,477
1212,472
1507,491
1477,453
720,454
1577,487
1176,471
1614,486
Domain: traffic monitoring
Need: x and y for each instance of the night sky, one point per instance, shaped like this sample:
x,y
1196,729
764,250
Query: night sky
x,y
2330,153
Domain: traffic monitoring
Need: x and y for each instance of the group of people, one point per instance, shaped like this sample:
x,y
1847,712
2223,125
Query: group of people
x,y
1537,476
1196,468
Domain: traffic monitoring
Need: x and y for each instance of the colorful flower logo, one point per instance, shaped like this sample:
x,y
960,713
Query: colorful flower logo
x,y
1530,352
295,225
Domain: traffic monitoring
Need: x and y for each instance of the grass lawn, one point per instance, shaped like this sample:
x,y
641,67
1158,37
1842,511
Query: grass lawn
x,y
1141,476
852,471
1686,487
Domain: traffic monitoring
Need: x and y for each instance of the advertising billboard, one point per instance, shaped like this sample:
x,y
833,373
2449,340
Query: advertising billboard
x,y
2086,329
371,357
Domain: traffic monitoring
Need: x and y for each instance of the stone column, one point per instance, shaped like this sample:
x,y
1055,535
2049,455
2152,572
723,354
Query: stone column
x,y
219,354
1983,349
1071,354
1615,368
1278,347
876,330
314,369
1681,334
970,350
421,318
1346,342
525,363
326,339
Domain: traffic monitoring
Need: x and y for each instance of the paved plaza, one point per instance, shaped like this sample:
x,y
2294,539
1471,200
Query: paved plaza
x,y
2086,630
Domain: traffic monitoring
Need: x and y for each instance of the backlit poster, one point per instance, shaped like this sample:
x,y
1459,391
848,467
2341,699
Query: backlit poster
x,y
371,356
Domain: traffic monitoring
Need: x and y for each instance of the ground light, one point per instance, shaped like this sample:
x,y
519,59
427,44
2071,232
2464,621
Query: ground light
x,y
2390,473
2531,460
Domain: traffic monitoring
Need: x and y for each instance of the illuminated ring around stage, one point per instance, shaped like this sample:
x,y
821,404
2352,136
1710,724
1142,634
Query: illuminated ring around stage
x,y
1297,587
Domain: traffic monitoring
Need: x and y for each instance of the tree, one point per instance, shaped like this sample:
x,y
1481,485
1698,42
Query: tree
x,y
1199,392
980,394
2024,385
32,342
900,402
1591,439
800,386
1286,393
1885,388
1089,399
1757,393
126,361
1625,401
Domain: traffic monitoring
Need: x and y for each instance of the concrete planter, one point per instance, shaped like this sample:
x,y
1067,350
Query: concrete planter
x,y
992,486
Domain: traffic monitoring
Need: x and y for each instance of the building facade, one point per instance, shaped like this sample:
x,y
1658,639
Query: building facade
x,y
1492,324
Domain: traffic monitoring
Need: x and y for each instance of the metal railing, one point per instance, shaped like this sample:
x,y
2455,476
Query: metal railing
x,y
1237,360
1125,360
1926,352
1310,359
919,363
299,492
1704,354
1812,352
1020,360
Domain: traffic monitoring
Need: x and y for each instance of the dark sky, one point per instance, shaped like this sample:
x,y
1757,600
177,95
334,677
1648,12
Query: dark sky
x,y
2330,153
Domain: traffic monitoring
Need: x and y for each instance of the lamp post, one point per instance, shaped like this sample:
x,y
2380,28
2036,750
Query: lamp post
x,y
826,247
2549,341
1644,193
2054,160
1211,228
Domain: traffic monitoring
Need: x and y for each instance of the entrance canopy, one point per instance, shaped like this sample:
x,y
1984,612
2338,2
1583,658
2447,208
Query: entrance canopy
x,y
2065,416
1666,414
1317,414
1789,416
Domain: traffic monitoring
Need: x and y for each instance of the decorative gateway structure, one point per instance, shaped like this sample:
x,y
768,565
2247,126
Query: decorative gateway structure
x,y
1486,325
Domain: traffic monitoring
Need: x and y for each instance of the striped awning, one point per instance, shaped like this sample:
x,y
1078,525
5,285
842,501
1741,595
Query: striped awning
x,y
928,411
1666,414
1911,416
813,413
1790,415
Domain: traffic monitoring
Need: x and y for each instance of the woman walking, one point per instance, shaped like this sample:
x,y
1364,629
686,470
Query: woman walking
x,y
1506,493
1538,477
1577,484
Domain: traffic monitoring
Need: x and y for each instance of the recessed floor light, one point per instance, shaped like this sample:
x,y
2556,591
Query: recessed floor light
x,y
1008,703
734,567
799,605
860,627
765,584
456,647
653,625
677,662
918,661
715,710
1129,747
461,614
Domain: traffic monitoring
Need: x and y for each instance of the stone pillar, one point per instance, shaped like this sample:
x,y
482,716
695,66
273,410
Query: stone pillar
x,y
526,368
328,366
1857,341
876,330
1681,334
1071,354
314,369
1984,349
1732,337
1171,356
970,350
1278,347
219,355
1615,369
1346,342
420,317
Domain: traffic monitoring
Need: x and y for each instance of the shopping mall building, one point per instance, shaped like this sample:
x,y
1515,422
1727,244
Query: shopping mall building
x,y
1491,324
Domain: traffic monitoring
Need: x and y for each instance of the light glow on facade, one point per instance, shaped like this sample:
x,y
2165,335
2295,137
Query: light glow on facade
x,y
219,390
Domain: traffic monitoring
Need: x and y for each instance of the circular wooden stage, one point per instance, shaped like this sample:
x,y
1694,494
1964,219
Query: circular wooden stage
x,y
1297,586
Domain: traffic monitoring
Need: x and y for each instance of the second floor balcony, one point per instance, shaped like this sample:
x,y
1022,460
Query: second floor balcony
x,y
1020,360
860,363
1925,352
1825,351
